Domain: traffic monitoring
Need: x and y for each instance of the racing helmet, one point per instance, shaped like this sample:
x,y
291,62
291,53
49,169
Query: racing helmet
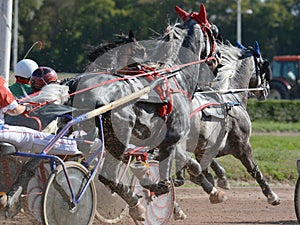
x,y
25,68
43,76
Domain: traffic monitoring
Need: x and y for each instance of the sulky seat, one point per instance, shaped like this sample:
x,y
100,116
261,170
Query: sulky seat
x,y
7,149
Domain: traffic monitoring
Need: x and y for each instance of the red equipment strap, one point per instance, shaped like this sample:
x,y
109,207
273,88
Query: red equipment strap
x,y
162,90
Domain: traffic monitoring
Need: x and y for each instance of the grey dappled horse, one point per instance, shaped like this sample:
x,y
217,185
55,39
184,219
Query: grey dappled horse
x,y
143,122
226,129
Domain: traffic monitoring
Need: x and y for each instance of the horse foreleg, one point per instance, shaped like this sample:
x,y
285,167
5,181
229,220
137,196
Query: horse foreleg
x,y
165,163
255,172
108,177
178,212
180,163
221,174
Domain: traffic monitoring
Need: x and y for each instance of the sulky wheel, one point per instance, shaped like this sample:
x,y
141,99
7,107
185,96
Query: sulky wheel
x,y
111,208
57,207
297,199
35,189
158,209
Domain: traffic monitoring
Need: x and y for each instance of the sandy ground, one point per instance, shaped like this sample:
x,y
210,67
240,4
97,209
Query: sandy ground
x,y
245,205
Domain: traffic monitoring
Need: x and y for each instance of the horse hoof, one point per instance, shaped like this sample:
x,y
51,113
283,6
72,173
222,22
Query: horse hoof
x,y
273,199
217,197
223,183
178,182
180,215
137,212
3,200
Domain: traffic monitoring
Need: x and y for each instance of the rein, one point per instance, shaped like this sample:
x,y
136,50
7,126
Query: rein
x,y
35,107
207,105
169,70
232,90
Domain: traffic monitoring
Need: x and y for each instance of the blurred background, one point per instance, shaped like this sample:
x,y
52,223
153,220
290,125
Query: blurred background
x,y
66,27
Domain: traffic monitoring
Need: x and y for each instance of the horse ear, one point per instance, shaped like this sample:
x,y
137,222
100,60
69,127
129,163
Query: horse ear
x,y
256,48
131,35
240,46
181,13
202,14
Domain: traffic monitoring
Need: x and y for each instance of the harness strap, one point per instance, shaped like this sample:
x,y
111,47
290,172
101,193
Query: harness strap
x,y
43,173
150,74
6,172
207,105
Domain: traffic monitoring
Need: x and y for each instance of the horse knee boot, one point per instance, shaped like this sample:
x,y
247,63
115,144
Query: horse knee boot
x,y
162,187
209,176
180,179
193,167
122,190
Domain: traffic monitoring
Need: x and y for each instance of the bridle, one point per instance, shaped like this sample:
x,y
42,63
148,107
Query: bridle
x,y
260,65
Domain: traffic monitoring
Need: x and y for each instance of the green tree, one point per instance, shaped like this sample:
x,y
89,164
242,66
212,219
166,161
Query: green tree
x,y
66,27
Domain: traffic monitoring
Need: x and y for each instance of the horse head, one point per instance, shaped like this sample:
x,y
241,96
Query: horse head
x,y
187,43
261,75
242,68
201,18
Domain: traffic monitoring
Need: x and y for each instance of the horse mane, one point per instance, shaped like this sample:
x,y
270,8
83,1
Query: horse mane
x,y
231,65
93,52
167,47
113,55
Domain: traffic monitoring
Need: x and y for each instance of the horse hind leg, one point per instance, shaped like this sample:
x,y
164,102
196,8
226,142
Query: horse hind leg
x,y
272,197
191,165
255,172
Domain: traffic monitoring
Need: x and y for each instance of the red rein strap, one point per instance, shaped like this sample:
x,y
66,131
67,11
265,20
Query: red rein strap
x,y
36,119
207,105
163,91
37,105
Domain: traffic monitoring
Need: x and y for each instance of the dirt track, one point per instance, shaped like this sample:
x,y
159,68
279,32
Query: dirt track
x,y
245,205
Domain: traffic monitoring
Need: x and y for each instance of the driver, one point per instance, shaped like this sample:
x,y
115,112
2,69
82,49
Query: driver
x,y
42,76
25,139
23,71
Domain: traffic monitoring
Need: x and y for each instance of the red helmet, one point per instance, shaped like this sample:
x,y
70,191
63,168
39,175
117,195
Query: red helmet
x,y
42,76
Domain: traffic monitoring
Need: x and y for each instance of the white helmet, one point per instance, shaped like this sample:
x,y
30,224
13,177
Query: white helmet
x,y
25,68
